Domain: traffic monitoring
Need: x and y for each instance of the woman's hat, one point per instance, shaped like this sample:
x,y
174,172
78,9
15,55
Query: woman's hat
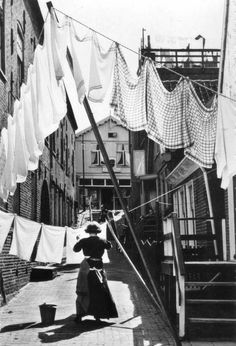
x,y
93,227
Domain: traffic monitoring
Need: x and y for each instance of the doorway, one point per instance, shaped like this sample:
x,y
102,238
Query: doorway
x,y
107,198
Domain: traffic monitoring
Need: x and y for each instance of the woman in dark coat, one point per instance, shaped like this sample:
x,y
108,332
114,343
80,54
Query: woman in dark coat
x,y
93,294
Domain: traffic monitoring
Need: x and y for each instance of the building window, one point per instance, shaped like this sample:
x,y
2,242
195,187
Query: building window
x,y
20,58
122,155
96,156
112,134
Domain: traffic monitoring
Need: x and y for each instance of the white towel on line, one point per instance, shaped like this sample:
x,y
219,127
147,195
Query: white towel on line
x,y
51,243
6,220
25,233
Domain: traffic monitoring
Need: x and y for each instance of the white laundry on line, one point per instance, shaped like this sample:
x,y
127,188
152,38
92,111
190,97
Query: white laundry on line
x,y
101,67
6,220
25,233
51,244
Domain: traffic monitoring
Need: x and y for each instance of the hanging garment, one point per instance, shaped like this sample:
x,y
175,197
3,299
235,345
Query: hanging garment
x,y
31,84
202,126
101,66
225,150
21,159
76,69
129,95
72,236
51,102
6,220
166,111
57,37
56,87
51,244
8,180
3,151
30,124
45,109
25,233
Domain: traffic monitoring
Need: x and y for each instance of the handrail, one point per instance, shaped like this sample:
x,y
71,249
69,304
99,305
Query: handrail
x,y
177,243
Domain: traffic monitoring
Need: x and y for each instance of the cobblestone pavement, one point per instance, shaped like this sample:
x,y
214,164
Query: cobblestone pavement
x,y
138,324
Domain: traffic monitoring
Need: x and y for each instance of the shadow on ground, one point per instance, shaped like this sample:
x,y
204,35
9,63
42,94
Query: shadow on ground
x,y
69,329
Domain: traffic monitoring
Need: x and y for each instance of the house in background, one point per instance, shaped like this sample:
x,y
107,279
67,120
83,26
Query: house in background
x,y
93,180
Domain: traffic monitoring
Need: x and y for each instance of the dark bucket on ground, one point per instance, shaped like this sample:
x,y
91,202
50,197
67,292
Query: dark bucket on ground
x,y
47,312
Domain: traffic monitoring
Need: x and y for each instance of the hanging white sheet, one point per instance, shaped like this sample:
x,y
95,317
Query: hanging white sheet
x,y
21,159
8,180
51,244
6,220
101,67
25,233
30,123
225,149
72,237
3,151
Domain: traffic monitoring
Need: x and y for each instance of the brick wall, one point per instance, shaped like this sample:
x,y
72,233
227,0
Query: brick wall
x,y
26,202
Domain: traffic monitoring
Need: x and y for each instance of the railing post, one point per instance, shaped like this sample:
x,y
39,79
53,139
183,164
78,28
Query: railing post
x,y
180,274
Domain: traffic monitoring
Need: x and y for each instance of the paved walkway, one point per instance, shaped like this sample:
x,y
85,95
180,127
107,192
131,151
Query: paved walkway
x,y
138,324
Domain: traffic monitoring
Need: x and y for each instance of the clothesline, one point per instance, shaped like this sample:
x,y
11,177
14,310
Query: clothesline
x,y
139,54
168,192
51,239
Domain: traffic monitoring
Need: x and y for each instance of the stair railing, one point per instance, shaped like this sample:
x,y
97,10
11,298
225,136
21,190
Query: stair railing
x,y
180,273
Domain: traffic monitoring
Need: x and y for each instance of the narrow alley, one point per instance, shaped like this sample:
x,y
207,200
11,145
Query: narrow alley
x,y
138,323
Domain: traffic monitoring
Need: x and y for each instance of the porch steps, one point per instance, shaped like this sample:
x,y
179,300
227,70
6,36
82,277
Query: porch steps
x,y
210,296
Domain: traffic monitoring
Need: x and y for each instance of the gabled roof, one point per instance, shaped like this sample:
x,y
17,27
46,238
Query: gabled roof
x,y
100,123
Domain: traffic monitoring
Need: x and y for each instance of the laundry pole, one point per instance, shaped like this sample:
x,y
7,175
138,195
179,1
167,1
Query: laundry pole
x,y
126,212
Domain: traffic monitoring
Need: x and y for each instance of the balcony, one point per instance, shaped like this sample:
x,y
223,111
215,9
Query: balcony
x,y
184,58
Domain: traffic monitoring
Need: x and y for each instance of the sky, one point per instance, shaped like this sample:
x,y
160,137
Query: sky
x,y
170,24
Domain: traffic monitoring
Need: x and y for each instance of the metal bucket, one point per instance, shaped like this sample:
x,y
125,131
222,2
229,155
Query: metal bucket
x,y
47,312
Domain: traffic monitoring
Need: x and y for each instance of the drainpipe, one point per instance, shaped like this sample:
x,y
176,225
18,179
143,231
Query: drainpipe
x,y
210,208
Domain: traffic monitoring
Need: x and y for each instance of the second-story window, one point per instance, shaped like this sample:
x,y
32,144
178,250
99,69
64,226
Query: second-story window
x,y
122,154
20,58
96,156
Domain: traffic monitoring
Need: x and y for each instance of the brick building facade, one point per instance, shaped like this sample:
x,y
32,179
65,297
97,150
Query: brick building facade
x,y
48,194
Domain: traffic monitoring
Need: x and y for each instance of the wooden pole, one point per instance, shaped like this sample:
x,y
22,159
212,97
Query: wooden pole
x,y
126,213
132,265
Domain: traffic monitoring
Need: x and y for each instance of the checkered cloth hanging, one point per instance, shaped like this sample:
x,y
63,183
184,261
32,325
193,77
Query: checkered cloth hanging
x,y
128,95
202,124
166,111
176,119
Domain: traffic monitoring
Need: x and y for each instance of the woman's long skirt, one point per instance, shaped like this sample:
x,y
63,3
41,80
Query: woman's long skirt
x,y
93,294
